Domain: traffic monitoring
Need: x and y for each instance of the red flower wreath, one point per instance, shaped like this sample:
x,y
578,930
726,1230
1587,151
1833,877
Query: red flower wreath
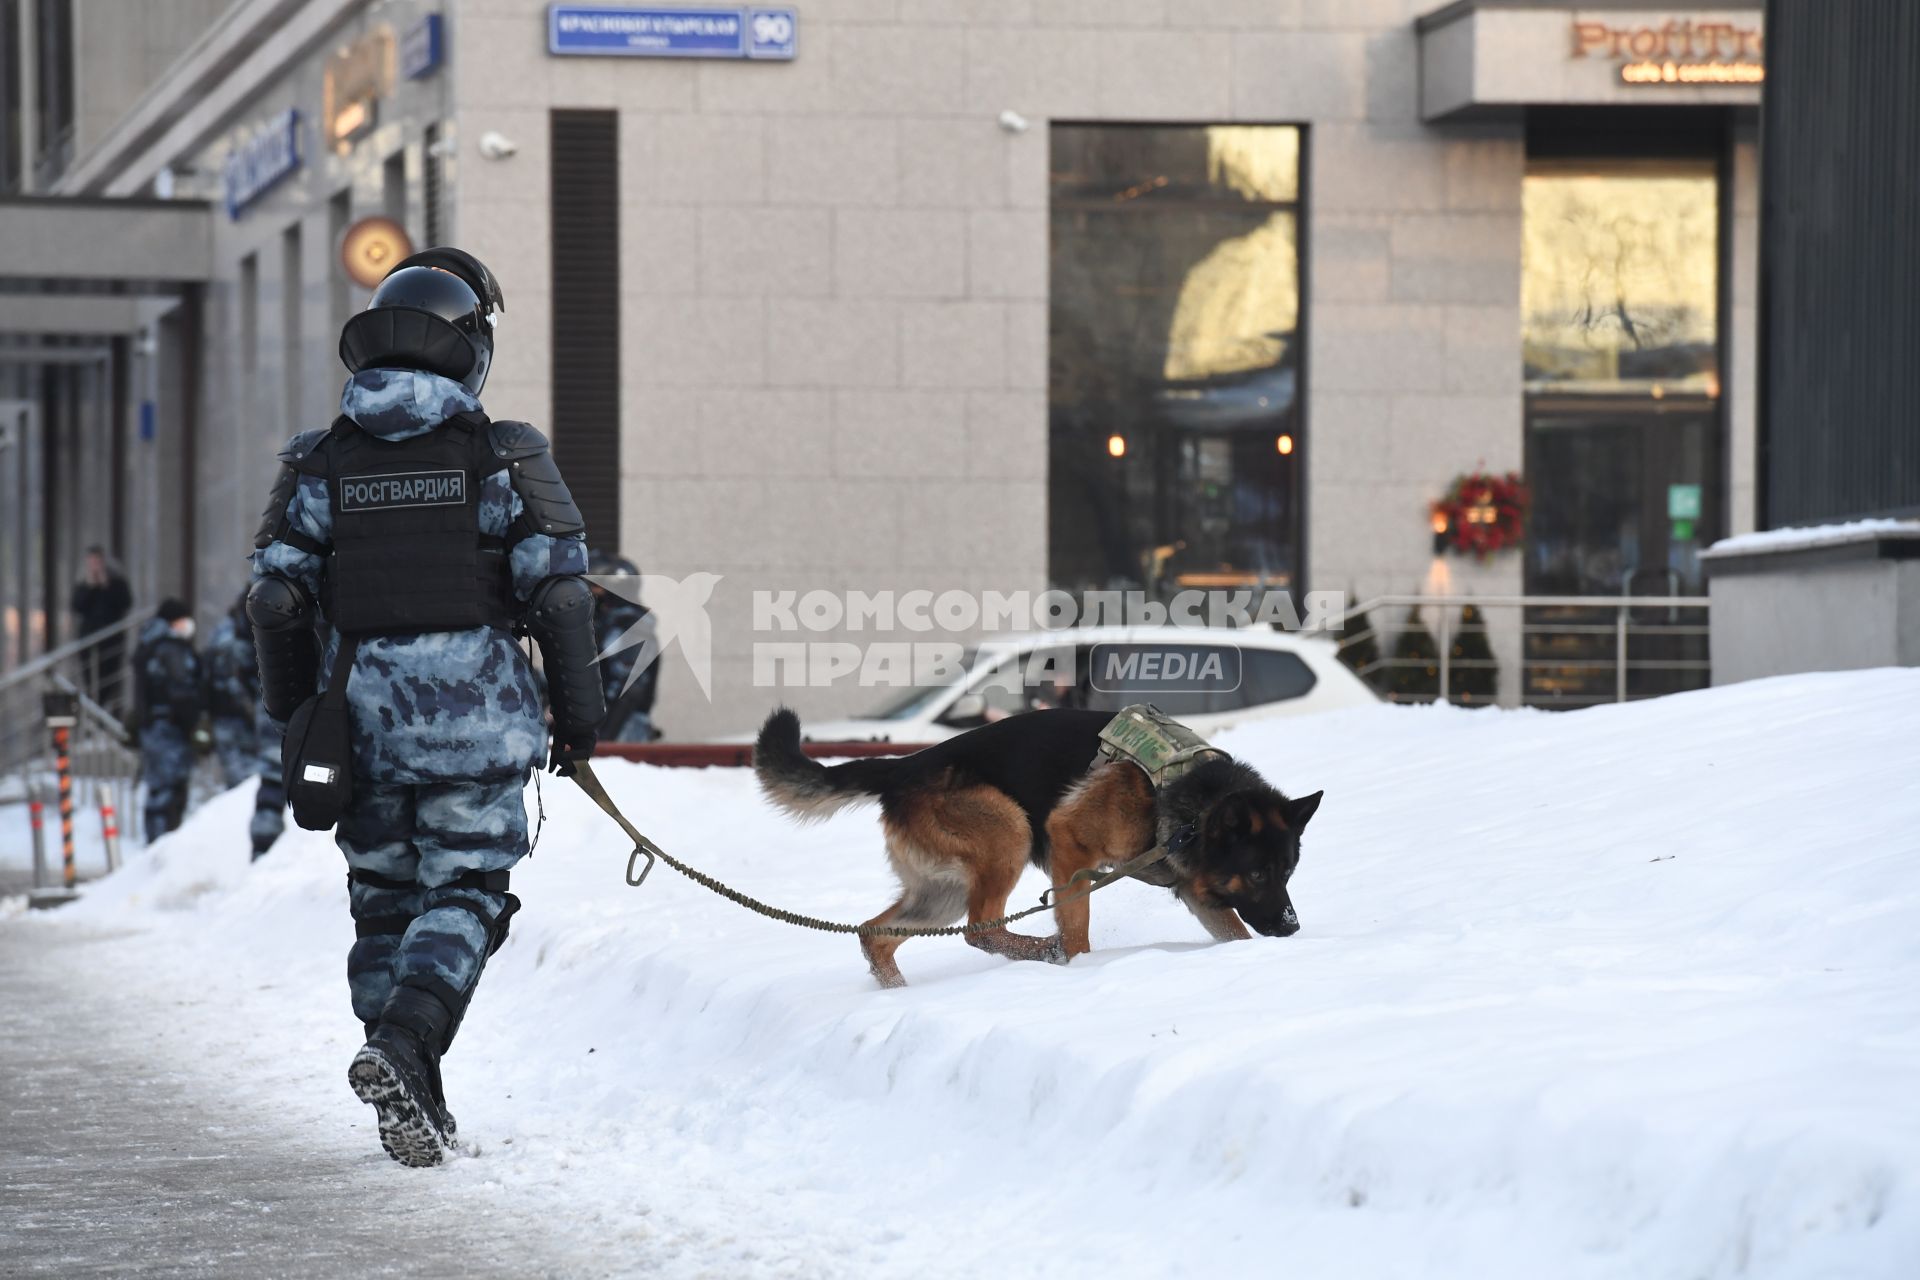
x,y
1481,514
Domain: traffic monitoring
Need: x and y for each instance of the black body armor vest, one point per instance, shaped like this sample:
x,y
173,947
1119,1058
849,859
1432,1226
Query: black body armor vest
x,y
407,552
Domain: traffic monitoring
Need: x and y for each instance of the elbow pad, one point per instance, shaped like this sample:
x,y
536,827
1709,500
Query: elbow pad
x,y
282,615
560,620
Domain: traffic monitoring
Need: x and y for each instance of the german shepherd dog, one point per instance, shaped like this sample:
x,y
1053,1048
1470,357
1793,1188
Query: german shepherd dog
x,y
962,818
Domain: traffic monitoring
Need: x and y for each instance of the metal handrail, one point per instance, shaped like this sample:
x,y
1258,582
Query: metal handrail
x,y
73,649
1622,606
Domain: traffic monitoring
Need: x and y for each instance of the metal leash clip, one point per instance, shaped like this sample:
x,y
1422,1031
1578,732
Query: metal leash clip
x,y
640,851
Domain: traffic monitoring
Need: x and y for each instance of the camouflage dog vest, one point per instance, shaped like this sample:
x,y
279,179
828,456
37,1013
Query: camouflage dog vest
x,y
1164,748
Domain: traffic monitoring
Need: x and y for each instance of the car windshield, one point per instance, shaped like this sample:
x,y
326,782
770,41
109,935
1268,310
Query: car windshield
x,y
913,701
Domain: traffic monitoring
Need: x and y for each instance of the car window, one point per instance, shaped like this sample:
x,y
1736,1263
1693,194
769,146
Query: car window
x,y
1273,676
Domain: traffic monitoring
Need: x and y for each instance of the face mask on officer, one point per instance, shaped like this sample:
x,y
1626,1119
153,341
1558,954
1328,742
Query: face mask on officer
x,y
182,627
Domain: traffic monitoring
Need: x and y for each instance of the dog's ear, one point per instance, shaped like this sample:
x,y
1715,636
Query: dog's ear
x,y
1299,811
1231,816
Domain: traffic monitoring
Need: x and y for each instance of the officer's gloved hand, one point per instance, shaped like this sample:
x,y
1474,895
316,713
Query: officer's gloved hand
x,y
565,755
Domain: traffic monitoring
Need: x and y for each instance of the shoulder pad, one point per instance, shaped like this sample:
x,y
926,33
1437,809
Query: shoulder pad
x,y
303,444
274,517
515,440
549,505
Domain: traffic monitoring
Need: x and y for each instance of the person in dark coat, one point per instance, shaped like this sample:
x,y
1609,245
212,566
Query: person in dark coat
x,y
169,699
100,599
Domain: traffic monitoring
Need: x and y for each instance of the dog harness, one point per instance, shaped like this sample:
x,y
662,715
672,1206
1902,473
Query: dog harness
x,y
1161,746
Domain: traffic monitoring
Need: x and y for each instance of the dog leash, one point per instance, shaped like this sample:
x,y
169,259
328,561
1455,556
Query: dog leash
x,y
583,776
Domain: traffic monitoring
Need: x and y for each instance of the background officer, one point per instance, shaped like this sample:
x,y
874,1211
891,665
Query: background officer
x,y
423,534
245,741
233,681
169,699
629,706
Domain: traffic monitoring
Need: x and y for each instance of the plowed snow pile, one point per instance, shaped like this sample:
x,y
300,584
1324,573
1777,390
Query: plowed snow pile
x,y
1628,992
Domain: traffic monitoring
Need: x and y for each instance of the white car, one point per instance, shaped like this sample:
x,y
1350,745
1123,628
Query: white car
x,y
1208,678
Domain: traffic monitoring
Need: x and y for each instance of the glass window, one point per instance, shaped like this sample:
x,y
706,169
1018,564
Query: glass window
x,y
1619,275
1174,349
1272,676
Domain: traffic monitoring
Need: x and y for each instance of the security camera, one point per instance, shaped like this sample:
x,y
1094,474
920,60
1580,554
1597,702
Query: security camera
x,y
495,145
1012,121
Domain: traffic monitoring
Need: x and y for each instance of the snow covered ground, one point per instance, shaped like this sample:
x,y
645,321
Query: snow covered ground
x,y
1628,992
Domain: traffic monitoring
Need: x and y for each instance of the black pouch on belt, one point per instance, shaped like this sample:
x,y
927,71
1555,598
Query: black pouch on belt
x,y
318,756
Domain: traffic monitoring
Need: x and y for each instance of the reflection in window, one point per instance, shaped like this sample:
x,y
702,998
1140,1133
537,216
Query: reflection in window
x,y
1174,355
1619,270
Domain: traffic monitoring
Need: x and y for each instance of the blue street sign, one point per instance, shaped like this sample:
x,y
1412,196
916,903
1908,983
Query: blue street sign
x,y
260,160
596,31
421,48
772,33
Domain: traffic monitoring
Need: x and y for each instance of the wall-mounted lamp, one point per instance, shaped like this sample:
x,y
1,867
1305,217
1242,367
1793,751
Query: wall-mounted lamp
x,y
1117,446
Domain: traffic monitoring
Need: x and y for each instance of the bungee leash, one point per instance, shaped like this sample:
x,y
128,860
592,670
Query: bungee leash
x,y
583,775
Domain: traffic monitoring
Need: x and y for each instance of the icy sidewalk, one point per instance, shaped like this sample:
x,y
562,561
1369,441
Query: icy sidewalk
x,y
1629,992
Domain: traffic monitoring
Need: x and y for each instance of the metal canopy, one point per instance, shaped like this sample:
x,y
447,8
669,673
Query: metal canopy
x,y
148,246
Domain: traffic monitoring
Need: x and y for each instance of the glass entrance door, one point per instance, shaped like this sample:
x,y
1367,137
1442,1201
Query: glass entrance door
x,y
1620,299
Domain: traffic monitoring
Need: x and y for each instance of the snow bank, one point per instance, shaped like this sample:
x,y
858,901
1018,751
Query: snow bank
x,y
1631,991
1821,535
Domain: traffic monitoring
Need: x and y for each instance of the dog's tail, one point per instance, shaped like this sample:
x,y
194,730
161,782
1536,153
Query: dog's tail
x,y
804,787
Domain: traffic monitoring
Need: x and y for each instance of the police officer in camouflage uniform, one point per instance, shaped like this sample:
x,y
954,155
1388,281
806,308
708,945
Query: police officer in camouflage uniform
x,y
423,534
231,680
169,698
244,739
628,624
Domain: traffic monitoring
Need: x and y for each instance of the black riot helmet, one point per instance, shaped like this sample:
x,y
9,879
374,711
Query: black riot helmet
x,y
434,312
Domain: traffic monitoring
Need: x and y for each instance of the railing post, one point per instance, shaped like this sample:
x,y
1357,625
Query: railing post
x,y
1620,655
110,827
63,712
1446,655
36,814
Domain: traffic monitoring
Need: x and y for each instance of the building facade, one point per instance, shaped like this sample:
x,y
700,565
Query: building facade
x,y
1012,294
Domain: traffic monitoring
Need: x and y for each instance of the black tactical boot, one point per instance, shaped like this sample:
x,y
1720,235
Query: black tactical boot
x,y
395,1073
447,1123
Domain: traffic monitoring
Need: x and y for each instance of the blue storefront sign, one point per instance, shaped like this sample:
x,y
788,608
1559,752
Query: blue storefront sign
x,y
266,156
421,48
596,31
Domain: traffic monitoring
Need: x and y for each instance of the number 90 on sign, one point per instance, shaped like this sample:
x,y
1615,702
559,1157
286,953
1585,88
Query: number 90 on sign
x,y
771,33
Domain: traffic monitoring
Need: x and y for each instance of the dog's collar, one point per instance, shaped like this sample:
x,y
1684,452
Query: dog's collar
x,y
1161,746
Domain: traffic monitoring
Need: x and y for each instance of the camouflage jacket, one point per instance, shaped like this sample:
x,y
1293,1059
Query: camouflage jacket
x,y
233,673
168,684
440,705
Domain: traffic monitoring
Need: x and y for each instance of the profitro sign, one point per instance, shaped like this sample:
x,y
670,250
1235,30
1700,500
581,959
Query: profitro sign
x,y
1677,50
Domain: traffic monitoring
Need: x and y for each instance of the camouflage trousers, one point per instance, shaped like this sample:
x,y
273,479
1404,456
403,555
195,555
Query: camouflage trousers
x,y
245,749
166,767
236,746
270,801
424,912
